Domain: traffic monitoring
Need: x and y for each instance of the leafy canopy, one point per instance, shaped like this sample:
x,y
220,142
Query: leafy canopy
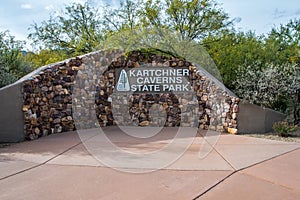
x,y
12,64
76,30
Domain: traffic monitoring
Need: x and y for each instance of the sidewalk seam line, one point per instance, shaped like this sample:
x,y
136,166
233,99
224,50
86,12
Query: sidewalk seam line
x,y
213,147
38,165
266,180
239,170
276,156
216,184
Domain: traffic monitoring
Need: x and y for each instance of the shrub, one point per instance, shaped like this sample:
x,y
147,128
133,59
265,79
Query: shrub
x,y
272,86
284,129
6,78
12,64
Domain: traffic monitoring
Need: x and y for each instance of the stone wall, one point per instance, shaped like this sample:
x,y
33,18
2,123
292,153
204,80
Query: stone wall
x,y
50,103
47,98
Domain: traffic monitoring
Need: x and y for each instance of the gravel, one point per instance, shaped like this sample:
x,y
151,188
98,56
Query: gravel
x,y
273,136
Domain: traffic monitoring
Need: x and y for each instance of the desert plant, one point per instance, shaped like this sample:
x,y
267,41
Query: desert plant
x,y
271,86
284,129
12,64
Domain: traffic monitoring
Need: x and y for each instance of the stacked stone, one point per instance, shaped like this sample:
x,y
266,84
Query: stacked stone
x,y
151,109
154,110
232,115
48,100
81,91
103,102
93,88
216,109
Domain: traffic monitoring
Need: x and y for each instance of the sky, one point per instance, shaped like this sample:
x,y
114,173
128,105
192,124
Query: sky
x,y
261,15
256,15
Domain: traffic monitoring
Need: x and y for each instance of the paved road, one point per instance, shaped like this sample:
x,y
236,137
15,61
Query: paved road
x,y
74,166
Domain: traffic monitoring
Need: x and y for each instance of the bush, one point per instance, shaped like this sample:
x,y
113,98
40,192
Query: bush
x,y
272,86
12,64
6,78
284,129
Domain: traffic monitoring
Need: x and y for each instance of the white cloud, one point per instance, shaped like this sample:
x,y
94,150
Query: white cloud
x,y
49,7
279,13
26,6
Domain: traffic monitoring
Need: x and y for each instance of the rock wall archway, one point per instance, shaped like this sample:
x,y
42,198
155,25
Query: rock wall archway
x,y
217,109
48,95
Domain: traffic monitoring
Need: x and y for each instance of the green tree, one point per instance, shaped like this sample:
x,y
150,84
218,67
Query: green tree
x,y
195,19
12,64
192,19
127,17
282,44
76,30
45,57
231,49
80,28
173,26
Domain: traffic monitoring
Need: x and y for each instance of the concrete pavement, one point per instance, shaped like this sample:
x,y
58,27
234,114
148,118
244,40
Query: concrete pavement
x,y
61,166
